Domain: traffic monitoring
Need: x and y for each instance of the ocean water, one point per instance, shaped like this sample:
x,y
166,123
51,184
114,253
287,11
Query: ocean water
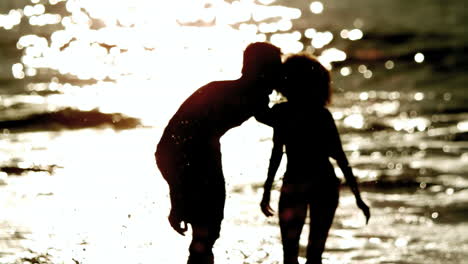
x,y
86,88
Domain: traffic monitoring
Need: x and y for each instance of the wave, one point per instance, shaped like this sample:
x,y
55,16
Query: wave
x,y
444,51
392,185
17,170
432,54
69,118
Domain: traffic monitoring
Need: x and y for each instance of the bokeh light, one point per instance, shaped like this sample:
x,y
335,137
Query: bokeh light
x,y
316,7
419,57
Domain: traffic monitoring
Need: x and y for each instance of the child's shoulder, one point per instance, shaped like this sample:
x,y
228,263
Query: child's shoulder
x,y
280,107
279,113
325,111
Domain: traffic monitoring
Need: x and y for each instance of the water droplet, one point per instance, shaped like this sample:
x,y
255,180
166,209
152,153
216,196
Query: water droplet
x,y
345,71
447,96
419,57
316,7
418,96
449,191
401,242
362,68
368,74
358,23
364,96
344,33
355,34
389,64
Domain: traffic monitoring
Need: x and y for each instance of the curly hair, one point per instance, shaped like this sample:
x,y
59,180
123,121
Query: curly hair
x,y
306,79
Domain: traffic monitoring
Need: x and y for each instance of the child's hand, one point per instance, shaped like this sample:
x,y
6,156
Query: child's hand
x,y
365,209
265,206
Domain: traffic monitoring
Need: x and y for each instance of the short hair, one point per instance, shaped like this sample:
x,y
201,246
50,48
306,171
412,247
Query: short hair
x,y
306,79
258,56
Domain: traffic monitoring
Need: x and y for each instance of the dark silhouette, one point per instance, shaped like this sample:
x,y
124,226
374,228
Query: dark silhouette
x,y
305,127
189,156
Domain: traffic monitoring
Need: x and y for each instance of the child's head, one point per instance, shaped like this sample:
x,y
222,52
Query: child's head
x,y
306,80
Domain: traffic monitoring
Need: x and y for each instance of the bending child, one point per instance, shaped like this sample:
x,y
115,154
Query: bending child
x,y
305,127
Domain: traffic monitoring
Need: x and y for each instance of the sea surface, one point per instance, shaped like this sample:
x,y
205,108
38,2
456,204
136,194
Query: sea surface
x,y
86,88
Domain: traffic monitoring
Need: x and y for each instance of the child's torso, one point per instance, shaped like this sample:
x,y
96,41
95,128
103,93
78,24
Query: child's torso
x,y
307,141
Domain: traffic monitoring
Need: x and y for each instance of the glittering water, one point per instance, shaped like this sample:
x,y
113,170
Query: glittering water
x,y
86,88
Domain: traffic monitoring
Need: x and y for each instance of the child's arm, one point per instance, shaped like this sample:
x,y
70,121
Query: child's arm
x,y
338,154
275,160
351,180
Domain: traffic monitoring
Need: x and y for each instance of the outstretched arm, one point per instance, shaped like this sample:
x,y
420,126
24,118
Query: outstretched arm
x,y
275,160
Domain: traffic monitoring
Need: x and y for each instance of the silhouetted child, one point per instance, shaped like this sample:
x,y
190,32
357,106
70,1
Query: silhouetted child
x,y
305,127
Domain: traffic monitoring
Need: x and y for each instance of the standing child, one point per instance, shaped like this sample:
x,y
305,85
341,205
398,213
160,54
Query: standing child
x,y
305,127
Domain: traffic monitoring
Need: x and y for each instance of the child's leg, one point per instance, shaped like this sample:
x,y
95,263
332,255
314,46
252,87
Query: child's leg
x,y
292,214
322,212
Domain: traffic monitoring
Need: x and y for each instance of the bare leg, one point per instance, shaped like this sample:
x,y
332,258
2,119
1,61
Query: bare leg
x,y
292,214
203,239
322,213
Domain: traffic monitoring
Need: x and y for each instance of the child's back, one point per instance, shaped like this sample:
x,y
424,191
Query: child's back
x,y
308,132
308,135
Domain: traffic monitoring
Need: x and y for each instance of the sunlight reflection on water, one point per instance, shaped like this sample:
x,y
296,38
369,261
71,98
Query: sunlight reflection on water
x,y
103,203
156,45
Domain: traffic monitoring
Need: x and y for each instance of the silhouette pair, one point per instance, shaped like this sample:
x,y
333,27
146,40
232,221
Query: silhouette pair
x,y
189,155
